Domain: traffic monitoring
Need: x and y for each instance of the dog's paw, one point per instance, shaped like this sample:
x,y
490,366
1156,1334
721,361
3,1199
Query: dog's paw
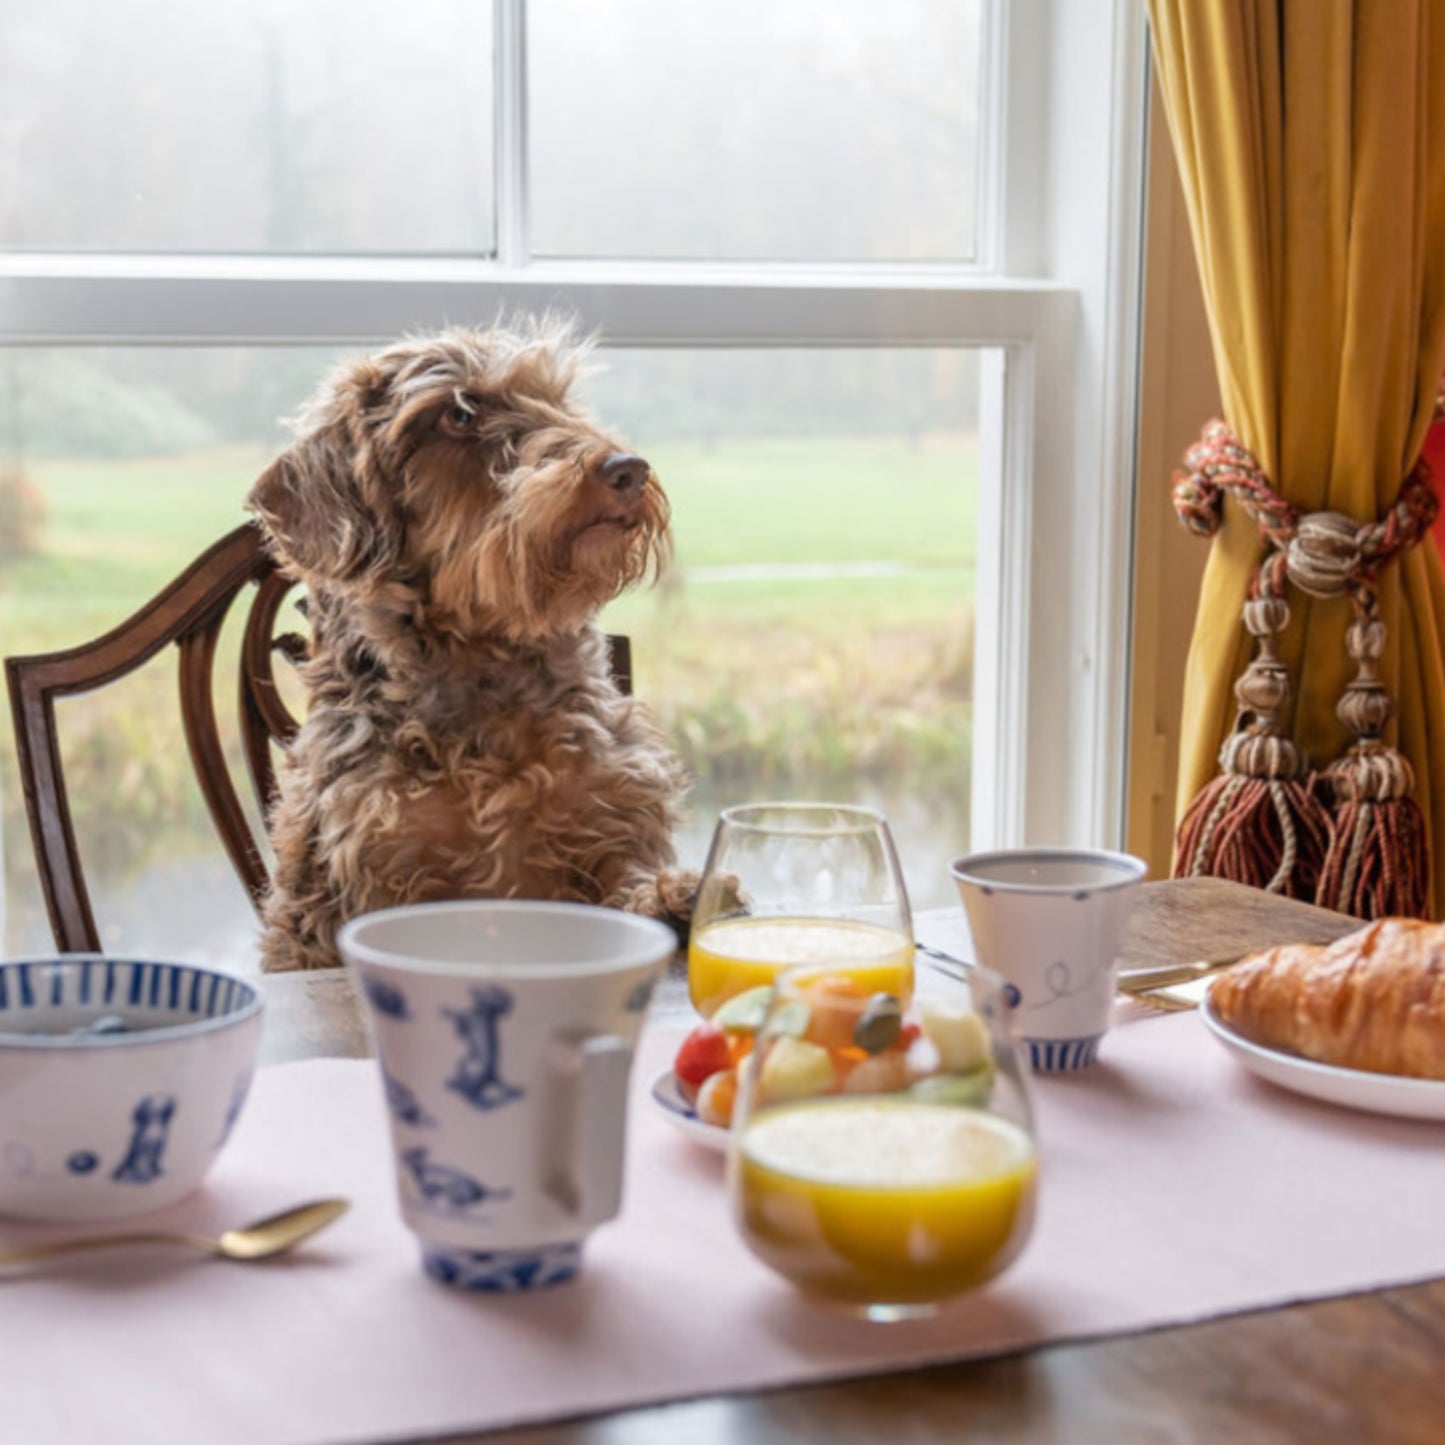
x,y
668,897
677,892
285,953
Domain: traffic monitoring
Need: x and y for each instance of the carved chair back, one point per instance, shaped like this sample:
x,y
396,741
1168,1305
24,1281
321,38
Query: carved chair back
x,y
190,614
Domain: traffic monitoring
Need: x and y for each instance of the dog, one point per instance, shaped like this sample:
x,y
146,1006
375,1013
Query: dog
x,y
458,521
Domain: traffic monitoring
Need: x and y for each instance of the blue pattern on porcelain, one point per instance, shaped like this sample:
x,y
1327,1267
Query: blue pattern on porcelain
x,y
478,1077
386,998
445,1186
401,1099
145,1154
502,1271
637,1001
45,1001
1061,980
1062,1056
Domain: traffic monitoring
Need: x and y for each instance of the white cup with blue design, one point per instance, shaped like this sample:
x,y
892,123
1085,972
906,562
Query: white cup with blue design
x,y
505,1033
1052,921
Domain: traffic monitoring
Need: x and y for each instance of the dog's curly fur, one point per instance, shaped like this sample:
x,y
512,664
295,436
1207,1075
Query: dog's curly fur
x,y
458,521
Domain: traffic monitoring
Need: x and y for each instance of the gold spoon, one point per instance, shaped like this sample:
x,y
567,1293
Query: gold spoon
x,y
260,1240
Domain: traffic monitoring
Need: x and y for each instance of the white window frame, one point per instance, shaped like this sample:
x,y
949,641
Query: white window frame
x,y
1055,292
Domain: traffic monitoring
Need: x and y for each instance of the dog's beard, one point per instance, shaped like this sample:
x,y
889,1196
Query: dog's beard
x,y
619,552
540,572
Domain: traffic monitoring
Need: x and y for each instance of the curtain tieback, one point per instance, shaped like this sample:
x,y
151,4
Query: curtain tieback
x,y
1351,838
1325,552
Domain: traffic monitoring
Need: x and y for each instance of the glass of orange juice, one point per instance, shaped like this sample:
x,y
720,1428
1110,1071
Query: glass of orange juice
x,y
882,1153
790,884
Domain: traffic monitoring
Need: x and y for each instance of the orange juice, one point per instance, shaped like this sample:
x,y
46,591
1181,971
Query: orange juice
x,y
736,954
883,1201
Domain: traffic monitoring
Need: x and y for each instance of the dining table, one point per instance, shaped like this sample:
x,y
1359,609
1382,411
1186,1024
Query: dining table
x,y
1365,1367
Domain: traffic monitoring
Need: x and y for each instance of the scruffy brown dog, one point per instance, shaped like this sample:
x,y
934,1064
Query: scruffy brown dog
x,y
457,522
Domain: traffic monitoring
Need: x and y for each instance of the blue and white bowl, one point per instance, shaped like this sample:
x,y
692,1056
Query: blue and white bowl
x,y
120,1080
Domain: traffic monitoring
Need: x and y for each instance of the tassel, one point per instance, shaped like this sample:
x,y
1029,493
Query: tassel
x,y
1261,821
1267,829
1378,865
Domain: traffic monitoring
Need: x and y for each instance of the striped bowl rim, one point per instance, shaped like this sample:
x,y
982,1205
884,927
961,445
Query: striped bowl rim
x,y
30,983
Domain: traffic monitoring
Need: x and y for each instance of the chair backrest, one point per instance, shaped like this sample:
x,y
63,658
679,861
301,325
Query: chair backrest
x,y
190,613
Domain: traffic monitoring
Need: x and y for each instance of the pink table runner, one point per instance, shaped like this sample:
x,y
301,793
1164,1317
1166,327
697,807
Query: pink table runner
x,y
1175,1187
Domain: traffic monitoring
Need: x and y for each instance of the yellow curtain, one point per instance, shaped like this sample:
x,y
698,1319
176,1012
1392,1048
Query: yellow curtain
x,y
1310,136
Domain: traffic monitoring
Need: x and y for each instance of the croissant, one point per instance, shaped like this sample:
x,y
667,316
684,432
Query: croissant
x,y
1373,1000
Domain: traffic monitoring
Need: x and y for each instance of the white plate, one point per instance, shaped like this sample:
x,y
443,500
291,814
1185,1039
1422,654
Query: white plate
x,y
681,1115
1354,1088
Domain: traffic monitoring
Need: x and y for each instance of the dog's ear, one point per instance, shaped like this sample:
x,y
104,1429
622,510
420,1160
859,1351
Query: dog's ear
x,y
311,506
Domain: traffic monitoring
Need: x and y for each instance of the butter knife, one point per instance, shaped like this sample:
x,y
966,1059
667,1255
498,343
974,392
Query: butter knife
x,y
1136,982
1175,987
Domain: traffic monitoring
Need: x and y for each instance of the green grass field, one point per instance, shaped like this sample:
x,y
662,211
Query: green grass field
x,y
117,530
837,686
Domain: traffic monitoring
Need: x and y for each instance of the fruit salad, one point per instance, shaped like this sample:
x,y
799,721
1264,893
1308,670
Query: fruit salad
x,y
834,1037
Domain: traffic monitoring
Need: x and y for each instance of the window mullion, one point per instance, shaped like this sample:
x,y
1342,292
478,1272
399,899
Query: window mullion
x,y
1014,158
991,184
513,193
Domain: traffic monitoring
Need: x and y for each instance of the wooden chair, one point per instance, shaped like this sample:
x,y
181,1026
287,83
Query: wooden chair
x,y
190,613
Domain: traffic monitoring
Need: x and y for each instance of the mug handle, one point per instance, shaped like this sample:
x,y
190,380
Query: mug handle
x,y
592,1070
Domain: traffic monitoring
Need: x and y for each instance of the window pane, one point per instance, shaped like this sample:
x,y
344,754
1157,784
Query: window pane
x,y
117,468
815,637
819,130
246,125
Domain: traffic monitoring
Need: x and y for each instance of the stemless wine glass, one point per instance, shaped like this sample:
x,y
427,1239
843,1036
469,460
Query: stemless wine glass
x,y
799,883
882,1155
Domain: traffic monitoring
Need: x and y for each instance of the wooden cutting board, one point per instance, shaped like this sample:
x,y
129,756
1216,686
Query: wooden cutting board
x,y
1183,919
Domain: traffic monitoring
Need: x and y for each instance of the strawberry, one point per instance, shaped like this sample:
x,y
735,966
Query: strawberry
x,y
906,1036
704,1052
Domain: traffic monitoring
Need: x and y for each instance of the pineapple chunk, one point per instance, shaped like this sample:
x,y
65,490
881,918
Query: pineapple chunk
x,y
795,1069
960,1037
879,1074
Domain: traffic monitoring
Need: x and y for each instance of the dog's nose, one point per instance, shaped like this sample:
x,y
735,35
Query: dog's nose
x,y
624,474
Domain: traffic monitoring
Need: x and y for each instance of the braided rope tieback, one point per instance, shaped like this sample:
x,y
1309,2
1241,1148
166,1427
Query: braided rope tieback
x,y
1325,552
1265,819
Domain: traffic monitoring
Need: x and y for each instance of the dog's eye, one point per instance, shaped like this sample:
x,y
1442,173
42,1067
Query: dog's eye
x,y
459,420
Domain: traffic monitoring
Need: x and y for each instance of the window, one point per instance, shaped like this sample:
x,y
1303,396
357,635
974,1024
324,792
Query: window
x,y
865,282
818,130
166,126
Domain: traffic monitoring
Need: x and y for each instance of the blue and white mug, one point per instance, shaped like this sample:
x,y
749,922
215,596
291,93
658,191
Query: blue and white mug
x,y
505,1033
1051,921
